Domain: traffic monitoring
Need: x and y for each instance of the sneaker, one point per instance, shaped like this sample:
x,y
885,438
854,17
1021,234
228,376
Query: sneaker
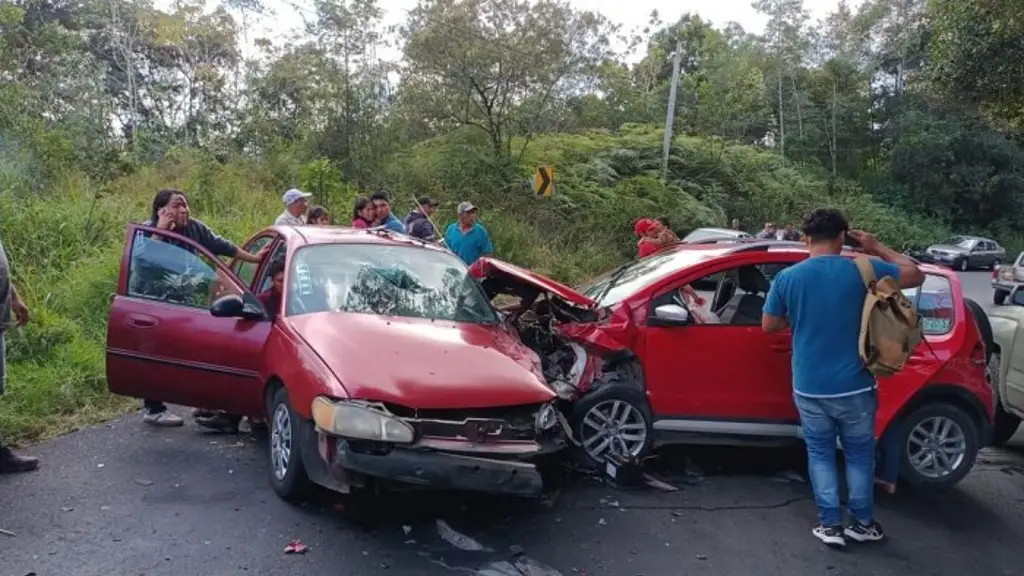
x,y
11,462
222,422
865,533
164,419
830,535
202,413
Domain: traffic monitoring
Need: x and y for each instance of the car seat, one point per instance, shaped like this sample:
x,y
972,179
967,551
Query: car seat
x,y
745,307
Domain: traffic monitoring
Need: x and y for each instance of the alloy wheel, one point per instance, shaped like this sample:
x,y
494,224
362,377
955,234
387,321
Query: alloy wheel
x,y
613,426
936,447
280,441
963,265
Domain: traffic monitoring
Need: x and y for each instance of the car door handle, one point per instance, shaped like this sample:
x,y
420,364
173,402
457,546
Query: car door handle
x,y
141,321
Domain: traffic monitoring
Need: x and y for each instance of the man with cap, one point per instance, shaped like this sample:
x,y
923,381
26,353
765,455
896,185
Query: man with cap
x,y
467,238
418,224
296,203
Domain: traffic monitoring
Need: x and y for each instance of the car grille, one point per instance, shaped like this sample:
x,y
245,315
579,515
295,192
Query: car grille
x,y
511,423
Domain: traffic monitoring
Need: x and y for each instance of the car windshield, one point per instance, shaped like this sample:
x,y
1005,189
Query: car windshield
x,y
386,280
959,241
702,233
612,287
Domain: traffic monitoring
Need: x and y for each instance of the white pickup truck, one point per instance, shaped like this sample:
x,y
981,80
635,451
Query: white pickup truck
x,y
1006,365
1006,279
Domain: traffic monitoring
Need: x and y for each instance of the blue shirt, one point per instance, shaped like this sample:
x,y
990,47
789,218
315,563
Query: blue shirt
x,y
469,245
394,224
823,298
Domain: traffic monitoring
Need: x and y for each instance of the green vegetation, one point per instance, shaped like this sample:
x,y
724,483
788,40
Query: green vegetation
x,y
102,103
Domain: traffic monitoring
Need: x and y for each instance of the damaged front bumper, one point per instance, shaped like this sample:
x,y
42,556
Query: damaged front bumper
x,y
442,470
498,451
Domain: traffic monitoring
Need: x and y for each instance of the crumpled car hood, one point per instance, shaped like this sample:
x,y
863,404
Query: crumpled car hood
x,y
425,364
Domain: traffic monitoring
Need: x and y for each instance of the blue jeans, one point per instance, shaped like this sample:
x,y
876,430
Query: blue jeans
x,y
889,453
852,420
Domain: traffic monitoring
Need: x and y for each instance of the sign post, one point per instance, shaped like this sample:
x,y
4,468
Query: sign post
x,y
544,181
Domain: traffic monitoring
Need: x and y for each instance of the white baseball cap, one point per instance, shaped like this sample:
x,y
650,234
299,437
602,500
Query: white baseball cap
x,y
294,195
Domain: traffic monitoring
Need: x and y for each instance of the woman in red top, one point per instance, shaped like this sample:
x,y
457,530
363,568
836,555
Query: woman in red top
x,y
364,215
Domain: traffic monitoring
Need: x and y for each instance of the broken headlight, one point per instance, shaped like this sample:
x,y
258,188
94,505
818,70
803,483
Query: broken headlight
x,y
356,420
546,418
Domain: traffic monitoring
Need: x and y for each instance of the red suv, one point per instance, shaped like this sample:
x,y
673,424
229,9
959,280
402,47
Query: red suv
x,y
646,370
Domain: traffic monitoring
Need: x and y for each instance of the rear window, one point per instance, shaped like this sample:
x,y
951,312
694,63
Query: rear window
x,y
934,303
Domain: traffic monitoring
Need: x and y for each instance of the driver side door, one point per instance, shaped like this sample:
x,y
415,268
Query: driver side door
x,y
720,378
163,343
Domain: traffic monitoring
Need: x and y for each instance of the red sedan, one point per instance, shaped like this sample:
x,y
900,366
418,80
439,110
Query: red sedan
x,y
386,361
669,349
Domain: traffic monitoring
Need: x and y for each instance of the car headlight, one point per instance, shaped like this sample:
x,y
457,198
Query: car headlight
x,y
546,418
353,420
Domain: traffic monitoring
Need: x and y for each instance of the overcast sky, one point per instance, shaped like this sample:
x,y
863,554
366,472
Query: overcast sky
x,y
288,14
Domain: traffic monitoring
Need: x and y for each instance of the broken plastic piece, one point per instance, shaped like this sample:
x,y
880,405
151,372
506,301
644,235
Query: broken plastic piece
x,y
457,539
658,484
296,547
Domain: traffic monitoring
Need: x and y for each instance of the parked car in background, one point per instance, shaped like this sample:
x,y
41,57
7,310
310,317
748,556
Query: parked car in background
x,y
703,234
1007,367
966,252
386,363
1007,278
648,370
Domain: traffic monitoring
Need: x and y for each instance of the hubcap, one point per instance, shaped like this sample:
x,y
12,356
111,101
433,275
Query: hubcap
x,y
613,425
963,265
936,447
280,441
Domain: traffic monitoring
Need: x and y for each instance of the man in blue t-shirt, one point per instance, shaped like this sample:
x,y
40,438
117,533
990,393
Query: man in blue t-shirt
x,y
466,237
387,219
821,299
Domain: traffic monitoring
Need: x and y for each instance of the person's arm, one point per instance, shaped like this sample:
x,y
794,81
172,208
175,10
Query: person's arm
x,y
907,272
218,245
18,307
488,248
773,316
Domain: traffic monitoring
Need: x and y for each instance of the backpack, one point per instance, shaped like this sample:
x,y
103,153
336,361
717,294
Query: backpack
x,y
889,327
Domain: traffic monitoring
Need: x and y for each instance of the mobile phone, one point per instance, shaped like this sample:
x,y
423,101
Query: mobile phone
x,y
851,241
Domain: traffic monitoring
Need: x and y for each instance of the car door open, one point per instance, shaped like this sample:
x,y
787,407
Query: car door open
x,y
163,342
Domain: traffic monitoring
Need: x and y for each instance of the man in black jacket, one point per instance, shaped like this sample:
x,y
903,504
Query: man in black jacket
x,y
417,223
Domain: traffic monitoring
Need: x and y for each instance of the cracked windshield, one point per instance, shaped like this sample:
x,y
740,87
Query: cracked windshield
x,y
387,281
511,287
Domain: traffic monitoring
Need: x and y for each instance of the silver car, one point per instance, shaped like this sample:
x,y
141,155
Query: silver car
x,y
966,252
1006,279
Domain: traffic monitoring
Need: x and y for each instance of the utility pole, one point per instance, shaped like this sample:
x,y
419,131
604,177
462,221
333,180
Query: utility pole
x,y
670,115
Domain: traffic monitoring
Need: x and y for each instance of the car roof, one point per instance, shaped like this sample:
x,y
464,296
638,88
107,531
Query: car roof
x,y
725,247
307,235
726,231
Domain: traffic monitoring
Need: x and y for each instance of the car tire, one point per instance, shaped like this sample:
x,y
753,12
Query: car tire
x,y
962,265
999,297
1006,424
984,326
938,413
612,396
287,471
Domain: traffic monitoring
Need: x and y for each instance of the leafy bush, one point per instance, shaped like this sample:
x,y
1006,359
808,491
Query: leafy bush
x,y
65,240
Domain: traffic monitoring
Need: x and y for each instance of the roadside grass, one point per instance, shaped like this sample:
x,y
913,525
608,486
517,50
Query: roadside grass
x,y
65,239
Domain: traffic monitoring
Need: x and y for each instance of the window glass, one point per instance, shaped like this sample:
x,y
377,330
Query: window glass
x,y
615,286
278,254
960,241
385,280
247,270
934,302
174,272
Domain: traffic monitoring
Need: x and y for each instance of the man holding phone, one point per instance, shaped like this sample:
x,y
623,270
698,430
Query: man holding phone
x,y
822,299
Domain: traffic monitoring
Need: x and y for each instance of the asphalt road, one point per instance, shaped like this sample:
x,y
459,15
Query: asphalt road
x,y
127,499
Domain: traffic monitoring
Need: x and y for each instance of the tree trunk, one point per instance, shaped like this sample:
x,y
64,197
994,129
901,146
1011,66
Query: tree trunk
x,y
799,116
833,139
782,120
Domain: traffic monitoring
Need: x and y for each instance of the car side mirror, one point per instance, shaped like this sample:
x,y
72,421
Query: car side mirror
x,y
232,306
669,315
1018,298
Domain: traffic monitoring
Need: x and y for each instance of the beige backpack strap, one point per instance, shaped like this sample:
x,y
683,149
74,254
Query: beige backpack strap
x,y
867,271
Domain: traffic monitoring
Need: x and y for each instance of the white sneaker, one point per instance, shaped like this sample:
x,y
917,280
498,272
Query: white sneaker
x,y
165,419
830,535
